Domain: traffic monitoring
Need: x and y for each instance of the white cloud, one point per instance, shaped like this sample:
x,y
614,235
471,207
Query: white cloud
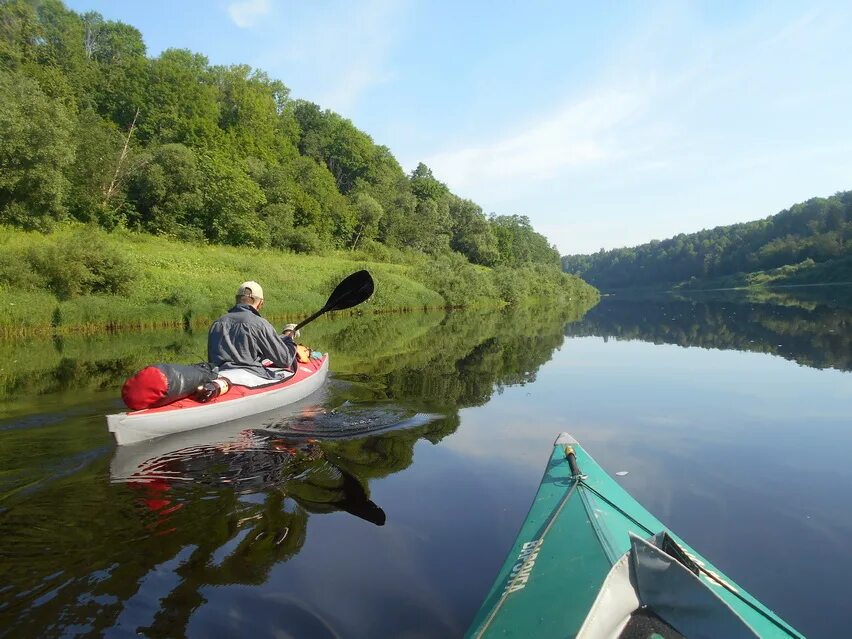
x,y
665,143
579,134
248,13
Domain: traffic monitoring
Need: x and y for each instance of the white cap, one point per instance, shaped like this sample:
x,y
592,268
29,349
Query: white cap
x,y
250,288
290,327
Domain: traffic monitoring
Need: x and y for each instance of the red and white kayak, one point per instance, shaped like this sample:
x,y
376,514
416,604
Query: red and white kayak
x,y
239,401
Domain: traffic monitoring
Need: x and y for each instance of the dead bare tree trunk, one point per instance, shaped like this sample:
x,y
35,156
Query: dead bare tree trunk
x,y
93,23
357,237
114,184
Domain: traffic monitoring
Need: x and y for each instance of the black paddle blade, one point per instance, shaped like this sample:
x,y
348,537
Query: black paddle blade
x,y
350,292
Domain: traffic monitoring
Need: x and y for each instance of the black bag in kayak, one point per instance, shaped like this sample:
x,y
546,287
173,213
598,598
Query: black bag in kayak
x,y
163,384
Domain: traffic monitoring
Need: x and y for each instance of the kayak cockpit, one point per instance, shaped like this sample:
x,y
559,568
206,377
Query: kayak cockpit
x,y
650,587
643,624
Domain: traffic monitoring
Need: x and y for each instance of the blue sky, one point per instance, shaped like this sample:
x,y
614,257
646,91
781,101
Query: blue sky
x,y
607,123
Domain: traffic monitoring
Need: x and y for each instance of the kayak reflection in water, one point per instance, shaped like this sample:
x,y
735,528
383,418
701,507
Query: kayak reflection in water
x,y
255,461
240,505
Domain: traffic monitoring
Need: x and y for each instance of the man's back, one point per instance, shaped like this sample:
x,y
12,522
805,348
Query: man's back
x,y
241,338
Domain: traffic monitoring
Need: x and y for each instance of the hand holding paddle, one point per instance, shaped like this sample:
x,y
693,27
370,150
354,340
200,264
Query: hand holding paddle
x,y
353,290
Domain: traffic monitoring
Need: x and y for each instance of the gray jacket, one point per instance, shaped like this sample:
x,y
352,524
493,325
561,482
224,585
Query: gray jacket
x,y
241,338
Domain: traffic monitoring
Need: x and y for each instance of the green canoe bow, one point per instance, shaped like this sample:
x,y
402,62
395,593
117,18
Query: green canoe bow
x,y
581,524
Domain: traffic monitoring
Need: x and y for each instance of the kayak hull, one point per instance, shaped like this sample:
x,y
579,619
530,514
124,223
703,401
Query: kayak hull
x,y
581,527
240,401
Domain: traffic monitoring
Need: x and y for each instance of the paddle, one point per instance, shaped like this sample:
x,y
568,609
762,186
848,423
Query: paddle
x,y
350,292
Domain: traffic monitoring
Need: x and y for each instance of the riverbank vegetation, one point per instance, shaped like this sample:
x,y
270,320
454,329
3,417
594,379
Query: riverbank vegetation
x,y
809,243
81,278
204,157
804,273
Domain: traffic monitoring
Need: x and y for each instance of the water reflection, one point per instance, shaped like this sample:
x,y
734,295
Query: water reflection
x,y
303,522
362,347
265,486
135,542
813,331
218,513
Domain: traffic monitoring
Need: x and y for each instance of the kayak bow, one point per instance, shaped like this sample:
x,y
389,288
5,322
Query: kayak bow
x,y
591,562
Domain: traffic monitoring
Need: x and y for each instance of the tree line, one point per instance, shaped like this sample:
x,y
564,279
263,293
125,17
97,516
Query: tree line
x,y
818,231
94,130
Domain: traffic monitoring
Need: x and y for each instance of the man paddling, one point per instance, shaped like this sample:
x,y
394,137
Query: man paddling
x,y
242,339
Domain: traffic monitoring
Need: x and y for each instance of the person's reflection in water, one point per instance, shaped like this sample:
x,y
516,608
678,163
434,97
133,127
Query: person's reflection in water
x,y
328,488
255,462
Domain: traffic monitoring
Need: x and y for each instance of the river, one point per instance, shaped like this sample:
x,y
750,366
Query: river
x,y
385,504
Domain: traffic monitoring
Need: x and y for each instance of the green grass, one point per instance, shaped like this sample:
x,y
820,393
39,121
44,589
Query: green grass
x,y
79,279
807,272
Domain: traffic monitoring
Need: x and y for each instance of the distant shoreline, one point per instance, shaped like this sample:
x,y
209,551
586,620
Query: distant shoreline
x,y
752,287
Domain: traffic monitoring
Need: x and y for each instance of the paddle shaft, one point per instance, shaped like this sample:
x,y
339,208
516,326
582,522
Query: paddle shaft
x,y
311,318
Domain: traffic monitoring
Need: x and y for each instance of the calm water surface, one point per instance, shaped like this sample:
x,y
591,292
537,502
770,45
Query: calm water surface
x,y
384,505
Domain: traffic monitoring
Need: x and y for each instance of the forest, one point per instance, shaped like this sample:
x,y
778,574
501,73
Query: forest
x,y
810,238
94,131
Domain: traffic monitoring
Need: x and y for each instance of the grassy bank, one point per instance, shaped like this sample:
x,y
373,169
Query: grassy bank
x,y
79,278
806,272
758,283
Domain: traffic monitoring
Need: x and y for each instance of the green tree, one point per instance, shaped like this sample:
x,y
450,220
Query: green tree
x,y
472,234
430,228
250,108
180,104
230,203
519,244
61,54
368,214
166,192
124,73
36,149
99,146
19,33
334,141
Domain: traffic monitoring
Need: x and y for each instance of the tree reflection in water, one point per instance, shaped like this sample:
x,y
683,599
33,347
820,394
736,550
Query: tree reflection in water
x,y
81,554
814,331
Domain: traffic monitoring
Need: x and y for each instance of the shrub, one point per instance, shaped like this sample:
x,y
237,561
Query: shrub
x,y
15,277
512,285
81,263
300,240
371,250
458,281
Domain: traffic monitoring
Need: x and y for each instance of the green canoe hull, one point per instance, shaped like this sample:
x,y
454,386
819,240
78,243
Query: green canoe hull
x,y
575,531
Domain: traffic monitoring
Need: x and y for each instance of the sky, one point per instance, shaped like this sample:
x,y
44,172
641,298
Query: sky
x,y
608,124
